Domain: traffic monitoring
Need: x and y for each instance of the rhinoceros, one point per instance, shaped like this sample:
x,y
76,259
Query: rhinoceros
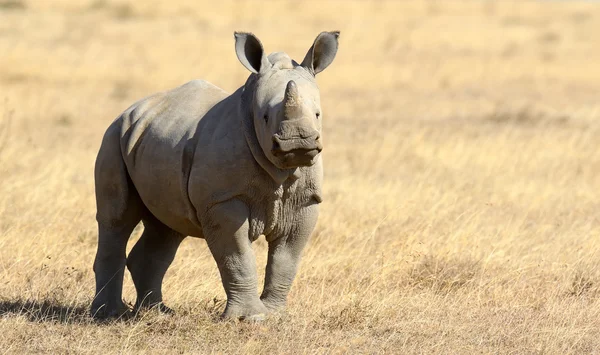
x,y
228,168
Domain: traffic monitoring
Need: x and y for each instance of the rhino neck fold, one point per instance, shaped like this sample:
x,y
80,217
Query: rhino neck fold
x,y
278,175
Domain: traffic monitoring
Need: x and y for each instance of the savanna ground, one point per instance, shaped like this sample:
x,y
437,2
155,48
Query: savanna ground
x,y
462,180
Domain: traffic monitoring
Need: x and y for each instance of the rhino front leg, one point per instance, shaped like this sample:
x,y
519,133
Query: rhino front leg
x,y
284,258
226,232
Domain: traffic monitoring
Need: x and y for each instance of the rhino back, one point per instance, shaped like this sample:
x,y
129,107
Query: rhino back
x,y
159,137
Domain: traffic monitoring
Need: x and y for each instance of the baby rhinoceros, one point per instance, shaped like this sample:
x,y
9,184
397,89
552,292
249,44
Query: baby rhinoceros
x,y
196,161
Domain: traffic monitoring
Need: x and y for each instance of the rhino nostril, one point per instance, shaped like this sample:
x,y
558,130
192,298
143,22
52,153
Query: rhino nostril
x,y
276,145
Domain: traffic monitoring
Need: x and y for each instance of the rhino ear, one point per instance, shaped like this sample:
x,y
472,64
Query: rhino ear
x,y
250,52
322,52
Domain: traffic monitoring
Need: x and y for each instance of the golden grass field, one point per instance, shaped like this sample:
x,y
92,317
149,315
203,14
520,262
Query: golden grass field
x,y
462,174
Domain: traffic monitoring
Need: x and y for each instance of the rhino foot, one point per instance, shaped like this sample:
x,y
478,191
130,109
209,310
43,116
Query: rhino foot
x,y
104,312
251,312
160,307
255,318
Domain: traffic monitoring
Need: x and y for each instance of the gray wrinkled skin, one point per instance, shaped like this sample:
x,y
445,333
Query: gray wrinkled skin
x,y
196,161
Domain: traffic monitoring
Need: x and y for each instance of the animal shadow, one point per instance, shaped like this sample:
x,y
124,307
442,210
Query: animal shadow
x,y
45,311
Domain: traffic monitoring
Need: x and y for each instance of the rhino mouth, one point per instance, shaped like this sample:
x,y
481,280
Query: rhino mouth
x,y
297,158
284,145
297,151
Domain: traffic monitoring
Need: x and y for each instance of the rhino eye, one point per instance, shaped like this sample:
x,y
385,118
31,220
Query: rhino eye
x,y
318,115
266,117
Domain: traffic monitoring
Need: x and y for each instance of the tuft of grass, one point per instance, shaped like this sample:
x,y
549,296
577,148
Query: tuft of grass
x,y
527,114
582,285
119,11
354,313
441,275
549,37
98,5
123,11
121,90
13,5
64,120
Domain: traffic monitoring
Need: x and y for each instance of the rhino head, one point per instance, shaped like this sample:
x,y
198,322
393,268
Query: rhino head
x,y
285,102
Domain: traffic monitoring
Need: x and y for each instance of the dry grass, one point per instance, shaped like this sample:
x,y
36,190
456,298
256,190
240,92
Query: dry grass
x,y
462,186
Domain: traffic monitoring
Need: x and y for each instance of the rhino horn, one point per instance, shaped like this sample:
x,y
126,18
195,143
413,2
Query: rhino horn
x,y
291,101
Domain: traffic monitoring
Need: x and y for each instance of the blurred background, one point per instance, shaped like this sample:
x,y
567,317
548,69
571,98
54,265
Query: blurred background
x,y
462,172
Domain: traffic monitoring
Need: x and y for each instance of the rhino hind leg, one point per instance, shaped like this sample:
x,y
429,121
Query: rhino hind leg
x,y
109,267
119,210
149,260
